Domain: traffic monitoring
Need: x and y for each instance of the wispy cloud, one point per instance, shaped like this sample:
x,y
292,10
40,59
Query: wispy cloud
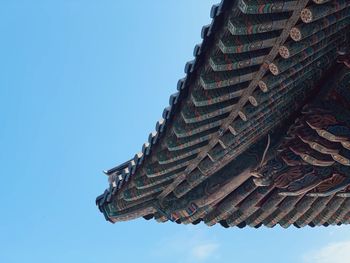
x,y
190,245
202,252
337,252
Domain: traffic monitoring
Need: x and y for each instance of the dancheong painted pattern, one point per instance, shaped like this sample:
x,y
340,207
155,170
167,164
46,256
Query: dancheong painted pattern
x,y
258,132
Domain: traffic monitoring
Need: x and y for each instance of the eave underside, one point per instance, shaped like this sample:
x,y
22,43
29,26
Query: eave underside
x,y
258,65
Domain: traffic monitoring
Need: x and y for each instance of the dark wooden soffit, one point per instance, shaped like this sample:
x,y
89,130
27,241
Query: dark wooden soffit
x,y
255,69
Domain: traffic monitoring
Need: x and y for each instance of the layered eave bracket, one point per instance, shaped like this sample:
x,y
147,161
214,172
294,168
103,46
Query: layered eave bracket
x,y
248,138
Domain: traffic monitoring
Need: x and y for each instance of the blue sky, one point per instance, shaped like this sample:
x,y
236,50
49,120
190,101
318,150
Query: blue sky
x,y
82,83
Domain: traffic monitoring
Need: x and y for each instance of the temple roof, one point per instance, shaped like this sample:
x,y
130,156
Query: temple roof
x,y
241,142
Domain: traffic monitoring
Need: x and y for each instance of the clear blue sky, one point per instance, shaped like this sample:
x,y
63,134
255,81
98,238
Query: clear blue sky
x,y
82,83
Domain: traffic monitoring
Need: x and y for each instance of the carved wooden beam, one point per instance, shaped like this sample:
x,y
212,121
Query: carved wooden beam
x,y
235,111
